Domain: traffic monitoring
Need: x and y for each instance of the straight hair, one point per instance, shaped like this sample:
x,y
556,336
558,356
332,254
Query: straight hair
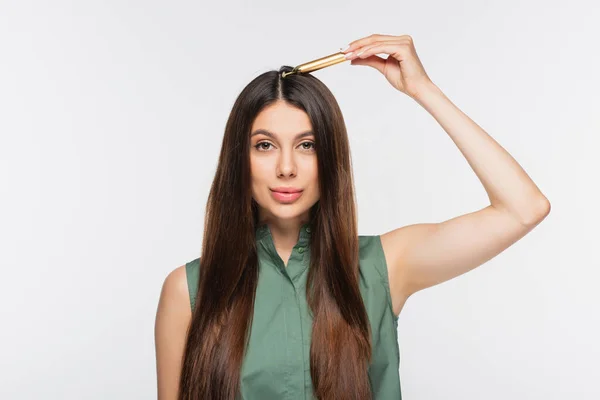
x,y
219,330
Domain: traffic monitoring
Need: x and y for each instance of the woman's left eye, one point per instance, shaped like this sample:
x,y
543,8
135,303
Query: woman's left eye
x,y
310,143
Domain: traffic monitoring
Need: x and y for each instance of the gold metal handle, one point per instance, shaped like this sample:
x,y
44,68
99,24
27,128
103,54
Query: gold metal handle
x,y
319,63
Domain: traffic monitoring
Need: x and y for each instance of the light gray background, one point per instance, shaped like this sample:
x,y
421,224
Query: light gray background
x,y
111,119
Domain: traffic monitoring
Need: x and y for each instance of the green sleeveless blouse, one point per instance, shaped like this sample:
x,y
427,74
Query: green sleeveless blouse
x,y
277,363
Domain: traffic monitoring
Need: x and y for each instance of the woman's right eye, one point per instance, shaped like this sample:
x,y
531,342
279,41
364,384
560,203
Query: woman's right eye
x,y
262,148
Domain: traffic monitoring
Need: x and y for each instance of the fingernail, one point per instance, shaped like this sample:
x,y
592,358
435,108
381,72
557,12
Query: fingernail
x,y
345,50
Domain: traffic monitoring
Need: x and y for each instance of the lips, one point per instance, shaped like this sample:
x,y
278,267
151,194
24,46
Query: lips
x,y
287,196
286,190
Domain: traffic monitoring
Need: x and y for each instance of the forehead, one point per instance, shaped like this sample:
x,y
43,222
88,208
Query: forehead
x,y
282,119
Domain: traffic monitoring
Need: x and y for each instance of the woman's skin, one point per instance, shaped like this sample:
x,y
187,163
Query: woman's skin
x,y
418,256
282,153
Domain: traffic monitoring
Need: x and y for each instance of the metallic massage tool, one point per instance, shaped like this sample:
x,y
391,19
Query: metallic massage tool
x,y
319,63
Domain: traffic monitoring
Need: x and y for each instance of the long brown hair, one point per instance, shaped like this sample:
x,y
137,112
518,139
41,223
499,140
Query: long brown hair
x,y
340,350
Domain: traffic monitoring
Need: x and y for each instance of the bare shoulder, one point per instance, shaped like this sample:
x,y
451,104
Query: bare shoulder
x,y
170,330
174,302
174,312
175,288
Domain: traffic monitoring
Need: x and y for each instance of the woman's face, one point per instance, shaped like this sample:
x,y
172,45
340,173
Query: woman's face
x,y
279,159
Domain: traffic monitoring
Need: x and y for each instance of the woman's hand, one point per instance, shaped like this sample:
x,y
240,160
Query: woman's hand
x,y
402,68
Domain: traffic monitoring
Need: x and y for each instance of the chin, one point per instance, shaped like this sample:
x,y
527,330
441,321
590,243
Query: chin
x,y
286,211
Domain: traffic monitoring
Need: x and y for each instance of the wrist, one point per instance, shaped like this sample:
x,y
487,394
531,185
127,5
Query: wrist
x,y
425,91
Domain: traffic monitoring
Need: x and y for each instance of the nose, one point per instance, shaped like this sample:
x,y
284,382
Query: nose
x,y
286,165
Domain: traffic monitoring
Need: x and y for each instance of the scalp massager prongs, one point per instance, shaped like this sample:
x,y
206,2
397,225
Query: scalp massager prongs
x,y
319,63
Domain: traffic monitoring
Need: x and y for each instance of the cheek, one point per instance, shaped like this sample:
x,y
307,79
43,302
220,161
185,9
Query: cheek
x,y
314,173
258,177
258,171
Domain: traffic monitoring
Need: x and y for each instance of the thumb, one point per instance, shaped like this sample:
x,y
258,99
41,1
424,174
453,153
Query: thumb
x,y
372,61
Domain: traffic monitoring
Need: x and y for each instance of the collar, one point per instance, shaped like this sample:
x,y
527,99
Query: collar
x,y
263,231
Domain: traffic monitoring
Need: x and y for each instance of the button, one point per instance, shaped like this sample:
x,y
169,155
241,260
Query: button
x,y
308,229
300,250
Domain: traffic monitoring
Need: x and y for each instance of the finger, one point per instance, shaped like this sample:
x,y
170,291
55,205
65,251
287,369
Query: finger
x,y
359,51
374,61
356,44
391,48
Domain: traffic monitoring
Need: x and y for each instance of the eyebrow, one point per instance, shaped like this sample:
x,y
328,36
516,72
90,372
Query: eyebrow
x,y
273,136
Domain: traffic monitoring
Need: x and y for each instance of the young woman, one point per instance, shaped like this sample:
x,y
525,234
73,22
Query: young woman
x,y
287,301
